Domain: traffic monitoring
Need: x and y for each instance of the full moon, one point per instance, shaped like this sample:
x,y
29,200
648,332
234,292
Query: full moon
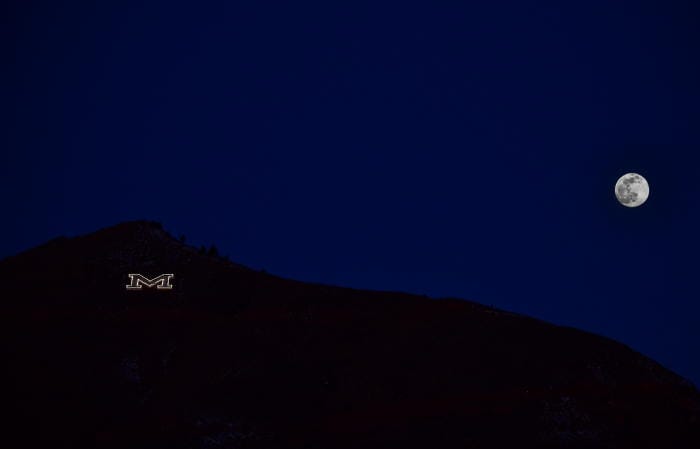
x,y
632,190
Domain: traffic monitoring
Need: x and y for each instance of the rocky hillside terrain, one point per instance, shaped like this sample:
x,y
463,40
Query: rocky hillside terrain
x,y
236,358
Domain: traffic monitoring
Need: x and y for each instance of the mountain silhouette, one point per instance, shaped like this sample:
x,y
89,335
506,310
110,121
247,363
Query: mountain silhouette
x,y
236,358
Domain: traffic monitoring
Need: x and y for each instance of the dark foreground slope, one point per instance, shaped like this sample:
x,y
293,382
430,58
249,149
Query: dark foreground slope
x,y
234,358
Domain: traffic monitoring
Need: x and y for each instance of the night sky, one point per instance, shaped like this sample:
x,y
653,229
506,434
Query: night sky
x,y
462,151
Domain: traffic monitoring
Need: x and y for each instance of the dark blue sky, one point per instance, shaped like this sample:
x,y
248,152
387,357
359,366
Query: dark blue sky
x,y
465,151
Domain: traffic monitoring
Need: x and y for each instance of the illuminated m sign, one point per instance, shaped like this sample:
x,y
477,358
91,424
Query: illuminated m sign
x,y
138,281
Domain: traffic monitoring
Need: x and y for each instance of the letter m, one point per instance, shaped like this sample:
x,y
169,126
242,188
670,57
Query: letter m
x,y
161,282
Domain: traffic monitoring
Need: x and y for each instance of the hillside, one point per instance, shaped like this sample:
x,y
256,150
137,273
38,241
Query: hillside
x,y
236,358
